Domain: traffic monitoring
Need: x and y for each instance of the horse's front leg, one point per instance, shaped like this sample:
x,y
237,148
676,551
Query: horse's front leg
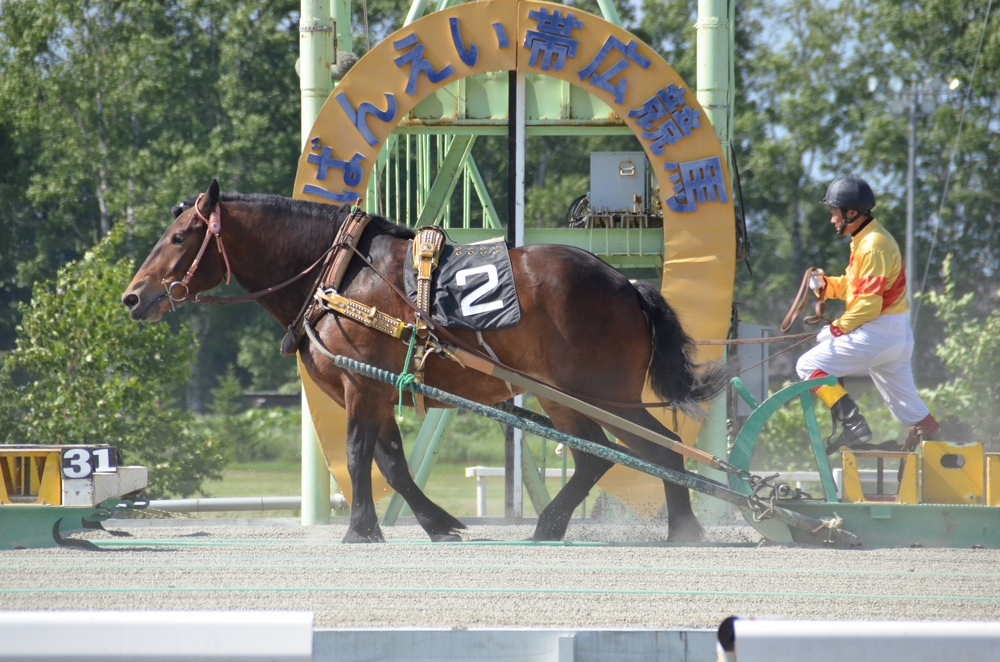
x,y
365,412
438,524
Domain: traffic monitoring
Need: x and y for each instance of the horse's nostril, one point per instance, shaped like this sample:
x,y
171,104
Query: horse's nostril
x,y
130,300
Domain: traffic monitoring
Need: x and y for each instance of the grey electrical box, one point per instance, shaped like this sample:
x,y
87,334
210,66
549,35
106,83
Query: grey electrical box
x,y
753,365
618,182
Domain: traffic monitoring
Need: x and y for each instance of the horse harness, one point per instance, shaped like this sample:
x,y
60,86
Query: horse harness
x,y
426,249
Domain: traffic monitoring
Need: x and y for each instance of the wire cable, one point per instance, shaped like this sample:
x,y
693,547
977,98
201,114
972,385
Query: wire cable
x,y
951,162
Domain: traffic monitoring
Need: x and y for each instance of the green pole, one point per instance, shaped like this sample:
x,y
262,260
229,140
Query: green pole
x,y
316,35
427,462
610,12
428,429
715,54
417,8
315,475
342,24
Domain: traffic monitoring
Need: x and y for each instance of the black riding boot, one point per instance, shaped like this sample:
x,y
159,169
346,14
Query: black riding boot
x,y
855,428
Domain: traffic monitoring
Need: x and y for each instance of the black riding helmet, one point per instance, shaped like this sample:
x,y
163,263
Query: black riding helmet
x,y
849,193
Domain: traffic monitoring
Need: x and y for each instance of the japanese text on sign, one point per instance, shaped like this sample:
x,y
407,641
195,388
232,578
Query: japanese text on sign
x,y
695,183
665,118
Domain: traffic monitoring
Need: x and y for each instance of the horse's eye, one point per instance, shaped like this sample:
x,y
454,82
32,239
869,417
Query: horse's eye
x,y
177,239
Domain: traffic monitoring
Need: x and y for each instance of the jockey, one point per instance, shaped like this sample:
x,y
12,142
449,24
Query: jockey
x,y
874,333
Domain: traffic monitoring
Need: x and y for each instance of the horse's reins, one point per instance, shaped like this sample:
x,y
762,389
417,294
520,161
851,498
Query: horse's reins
x,y
243,298
799,303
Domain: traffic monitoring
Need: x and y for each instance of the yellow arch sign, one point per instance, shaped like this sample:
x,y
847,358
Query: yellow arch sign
x,y
587,51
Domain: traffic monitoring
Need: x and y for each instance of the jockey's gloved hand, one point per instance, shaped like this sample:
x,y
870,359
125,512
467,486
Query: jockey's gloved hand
x,y
829,332
817,281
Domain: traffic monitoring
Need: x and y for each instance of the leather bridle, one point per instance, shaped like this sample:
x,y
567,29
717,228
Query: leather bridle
x,y
214,223
214,229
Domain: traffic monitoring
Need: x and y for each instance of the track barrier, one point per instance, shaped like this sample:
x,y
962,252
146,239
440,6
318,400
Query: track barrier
x,y
147,636
750,640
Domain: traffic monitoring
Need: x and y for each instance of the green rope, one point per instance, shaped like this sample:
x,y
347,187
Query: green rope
x,y
406,377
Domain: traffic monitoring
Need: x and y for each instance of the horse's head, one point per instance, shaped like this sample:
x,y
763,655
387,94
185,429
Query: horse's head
x,y
179,266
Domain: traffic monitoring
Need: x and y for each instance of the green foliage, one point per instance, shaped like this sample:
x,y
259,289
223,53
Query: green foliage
x,y
84,373
546,205
252,435
258,356
112,112
971,352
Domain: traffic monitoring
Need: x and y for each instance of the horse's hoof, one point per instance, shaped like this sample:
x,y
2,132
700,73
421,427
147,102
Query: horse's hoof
x,y
446,537
542,536
686,534
355,537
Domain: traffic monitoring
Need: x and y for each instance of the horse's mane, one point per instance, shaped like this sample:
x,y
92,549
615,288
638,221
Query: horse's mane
x,y
316,210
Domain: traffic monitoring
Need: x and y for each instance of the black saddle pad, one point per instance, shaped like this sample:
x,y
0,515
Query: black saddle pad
x,y
472,287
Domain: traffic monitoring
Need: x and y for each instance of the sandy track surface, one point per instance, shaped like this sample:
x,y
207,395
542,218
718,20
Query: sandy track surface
x,y
603,577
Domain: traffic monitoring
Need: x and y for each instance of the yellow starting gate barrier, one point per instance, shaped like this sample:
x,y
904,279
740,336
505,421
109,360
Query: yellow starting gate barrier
x,y
944,473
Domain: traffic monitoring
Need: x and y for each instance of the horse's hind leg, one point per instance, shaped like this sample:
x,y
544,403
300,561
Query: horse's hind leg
x,y
554,519
438,524
682,524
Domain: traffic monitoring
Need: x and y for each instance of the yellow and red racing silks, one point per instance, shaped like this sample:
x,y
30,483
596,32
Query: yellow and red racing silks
x,y
875,282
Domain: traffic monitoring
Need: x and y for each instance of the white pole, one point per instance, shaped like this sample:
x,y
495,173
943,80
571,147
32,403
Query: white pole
x,y
519,119
873,641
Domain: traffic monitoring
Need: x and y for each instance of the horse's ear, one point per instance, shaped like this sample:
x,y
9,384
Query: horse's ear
x,y
212,194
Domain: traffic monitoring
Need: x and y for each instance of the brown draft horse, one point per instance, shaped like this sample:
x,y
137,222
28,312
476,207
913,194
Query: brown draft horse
x,y
584,328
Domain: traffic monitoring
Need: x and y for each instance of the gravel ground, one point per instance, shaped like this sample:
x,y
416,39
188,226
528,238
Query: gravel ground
x,y
604,577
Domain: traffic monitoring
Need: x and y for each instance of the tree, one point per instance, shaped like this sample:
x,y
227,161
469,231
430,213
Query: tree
x,y
971,352
84,373
114,111
790,145
957,165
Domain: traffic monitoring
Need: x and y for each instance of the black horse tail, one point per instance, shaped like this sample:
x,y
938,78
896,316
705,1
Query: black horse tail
x,y
673,374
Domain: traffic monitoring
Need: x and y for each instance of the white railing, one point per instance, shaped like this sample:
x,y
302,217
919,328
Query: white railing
x,y
482,473
798,478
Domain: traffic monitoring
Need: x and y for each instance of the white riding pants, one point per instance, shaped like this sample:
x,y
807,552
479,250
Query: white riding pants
x,y
882,347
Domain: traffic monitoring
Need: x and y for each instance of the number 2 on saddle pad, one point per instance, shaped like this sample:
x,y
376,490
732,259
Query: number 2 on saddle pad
x,y
473,287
